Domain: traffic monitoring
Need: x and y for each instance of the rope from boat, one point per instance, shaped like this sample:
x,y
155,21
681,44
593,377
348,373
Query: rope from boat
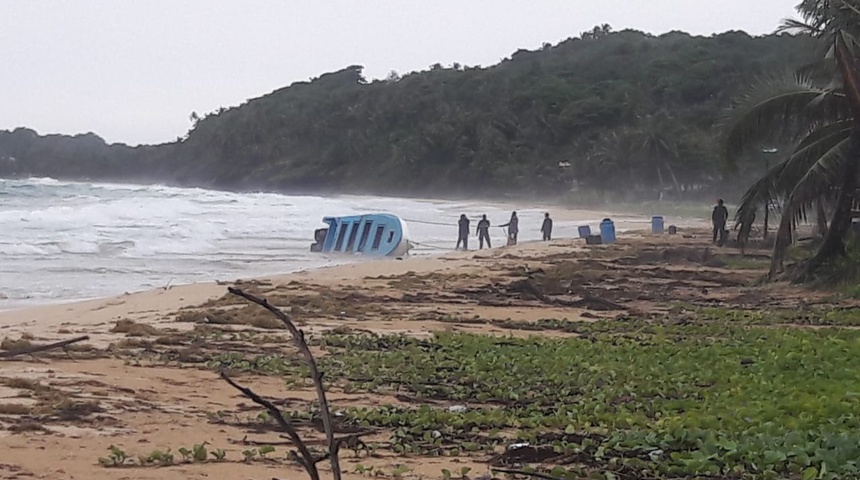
x,y
428,246
431,223
437,223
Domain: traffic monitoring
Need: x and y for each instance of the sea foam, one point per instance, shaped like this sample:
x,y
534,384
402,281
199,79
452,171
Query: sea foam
x,y
62,241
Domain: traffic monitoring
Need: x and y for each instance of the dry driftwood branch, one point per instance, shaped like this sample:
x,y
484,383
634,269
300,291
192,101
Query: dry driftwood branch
x,y
316,375
306,459
42,348
525,473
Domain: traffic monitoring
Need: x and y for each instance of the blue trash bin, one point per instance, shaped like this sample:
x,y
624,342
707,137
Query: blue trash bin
x,y
607,231
657,225
584,231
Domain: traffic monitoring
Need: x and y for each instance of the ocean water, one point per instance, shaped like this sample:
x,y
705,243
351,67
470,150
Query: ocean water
x,y
63,241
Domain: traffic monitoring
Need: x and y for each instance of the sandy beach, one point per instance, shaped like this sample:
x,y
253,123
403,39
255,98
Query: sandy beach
x,y
145,381
148,306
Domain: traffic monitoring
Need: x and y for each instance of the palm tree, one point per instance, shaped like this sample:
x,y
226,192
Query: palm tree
x,y
824,121
658,139
609,155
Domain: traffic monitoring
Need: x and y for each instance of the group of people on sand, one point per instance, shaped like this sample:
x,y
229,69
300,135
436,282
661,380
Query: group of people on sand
x,y
483,230
719,218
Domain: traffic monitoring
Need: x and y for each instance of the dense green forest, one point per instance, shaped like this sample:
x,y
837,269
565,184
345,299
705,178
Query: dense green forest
x,y
623,115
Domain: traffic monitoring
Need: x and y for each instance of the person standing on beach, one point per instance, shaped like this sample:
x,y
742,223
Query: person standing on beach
x,y
463,236
546,228
484,232
719,217
513,228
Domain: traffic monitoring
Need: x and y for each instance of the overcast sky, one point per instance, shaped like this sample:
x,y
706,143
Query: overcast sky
x,y
132,71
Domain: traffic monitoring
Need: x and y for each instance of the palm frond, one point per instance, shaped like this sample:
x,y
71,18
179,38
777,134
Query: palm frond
x,y
850,40
853,9
759,195
820,180
825,18
791,25
778,108
779,182
817,143
822,70
819,185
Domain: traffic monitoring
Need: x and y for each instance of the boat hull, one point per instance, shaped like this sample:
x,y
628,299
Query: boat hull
x,y
378,234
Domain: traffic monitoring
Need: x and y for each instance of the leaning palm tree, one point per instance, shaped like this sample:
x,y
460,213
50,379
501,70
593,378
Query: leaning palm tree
x,y
821,114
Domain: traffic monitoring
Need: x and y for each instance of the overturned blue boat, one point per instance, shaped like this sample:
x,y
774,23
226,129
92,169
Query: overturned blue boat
x,y
373,234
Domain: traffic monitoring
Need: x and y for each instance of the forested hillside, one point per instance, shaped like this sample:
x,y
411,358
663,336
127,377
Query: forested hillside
x,y
630,113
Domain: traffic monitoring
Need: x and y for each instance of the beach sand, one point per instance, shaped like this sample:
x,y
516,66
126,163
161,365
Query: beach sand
x,y
142,383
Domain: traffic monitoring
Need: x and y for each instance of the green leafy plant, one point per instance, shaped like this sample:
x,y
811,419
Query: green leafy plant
x,y
159,457
249,454
116,458
400,470
186,453
447,475
696,391
218,454
199,452
265,450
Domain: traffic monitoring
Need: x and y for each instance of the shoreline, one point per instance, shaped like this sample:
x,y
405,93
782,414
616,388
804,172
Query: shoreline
x,y
45,320
152,305
566,217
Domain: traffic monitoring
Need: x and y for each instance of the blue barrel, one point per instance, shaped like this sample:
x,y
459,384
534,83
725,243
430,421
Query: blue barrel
x,y
657,225
584,231
607,231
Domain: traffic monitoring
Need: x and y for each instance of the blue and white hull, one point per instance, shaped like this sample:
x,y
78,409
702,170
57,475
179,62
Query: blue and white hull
x,y
379,234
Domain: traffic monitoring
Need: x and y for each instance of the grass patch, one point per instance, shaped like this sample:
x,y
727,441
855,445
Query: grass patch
x,y
710,397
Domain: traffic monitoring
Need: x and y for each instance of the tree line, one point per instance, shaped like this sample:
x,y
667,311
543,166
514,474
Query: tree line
x,y
617,115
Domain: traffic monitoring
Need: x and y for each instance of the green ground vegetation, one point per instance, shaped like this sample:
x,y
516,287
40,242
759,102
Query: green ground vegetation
x,y
712,393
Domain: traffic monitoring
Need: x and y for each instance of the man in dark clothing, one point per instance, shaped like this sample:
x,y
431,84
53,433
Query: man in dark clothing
x,y
513,228
719,218
546,228
463,236
484,232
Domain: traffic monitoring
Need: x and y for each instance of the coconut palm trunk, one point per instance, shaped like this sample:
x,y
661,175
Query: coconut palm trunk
x,y
834,241
834,244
